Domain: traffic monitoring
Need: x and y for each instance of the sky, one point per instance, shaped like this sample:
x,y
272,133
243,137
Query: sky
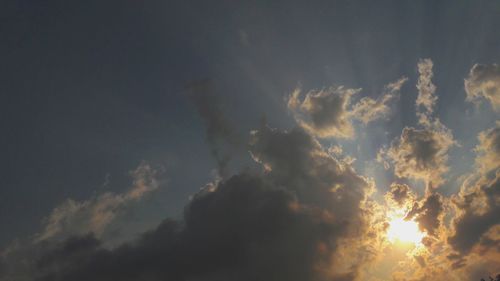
x,y
249,140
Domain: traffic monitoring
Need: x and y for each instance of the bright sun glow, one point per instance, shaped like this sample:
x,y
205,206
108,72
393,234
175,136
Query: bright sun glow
x,y
405,231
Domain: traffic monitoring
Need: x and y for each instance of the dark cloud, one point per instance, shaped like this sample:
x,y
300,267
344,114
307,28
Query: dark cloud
x,y
289,223
483,82
488,244
297,160
478,204
420,260
479,211
220,133
400,193
428,214
245,230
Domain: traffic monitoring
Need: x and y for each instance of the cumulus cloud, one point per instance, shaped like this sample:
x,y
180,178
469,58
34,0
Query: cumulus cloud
x,y
428,214
297,160
420,154
245,230
294,221
483,82
400,194
477,224
307,215
478,210
94,215
326,112
329,112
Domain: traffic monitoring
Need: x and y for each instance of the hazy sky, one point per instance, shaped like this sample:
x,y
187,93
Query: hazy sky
x,y
249,140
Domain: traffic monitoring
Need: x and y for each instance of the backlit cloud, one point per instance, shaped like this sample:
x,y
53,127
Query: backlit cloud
x,y
483,82
304,213
489,149
290,223
421,153
427,98
94,215
329,112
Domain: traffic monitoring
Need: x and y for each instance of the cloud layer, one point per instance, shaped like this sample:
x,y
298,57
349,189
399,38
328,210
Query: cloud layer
x,y
304,214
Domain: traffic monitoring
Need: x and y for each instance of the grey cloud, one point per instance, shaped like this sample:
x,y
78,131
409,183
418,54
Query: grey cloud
x,y
488,243
478,204
221,135
245,230
483,82
400,193
297,160
288,223
479,210
428,214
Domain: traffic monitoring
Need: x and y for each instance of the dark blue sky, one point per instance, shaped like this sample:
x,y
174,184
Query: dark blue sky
x,y
92,88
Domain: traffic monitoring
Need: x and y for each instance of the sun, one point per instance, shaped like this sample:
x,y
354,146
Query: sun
x,y
404,231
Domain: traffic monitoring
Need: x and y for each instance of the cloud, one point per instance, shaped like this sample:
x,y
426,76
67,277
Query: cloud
x,y
426,99
94,215
294,221
483,82
489,149
325,113
368,109
329,113
478,203
220,134
478,210
306,215
428,214
244,230
400,194
420,154
297,160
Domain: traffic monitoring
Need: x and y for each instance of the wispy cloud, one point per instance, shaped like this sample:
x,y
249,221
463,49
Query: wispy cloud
x,y
94,215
